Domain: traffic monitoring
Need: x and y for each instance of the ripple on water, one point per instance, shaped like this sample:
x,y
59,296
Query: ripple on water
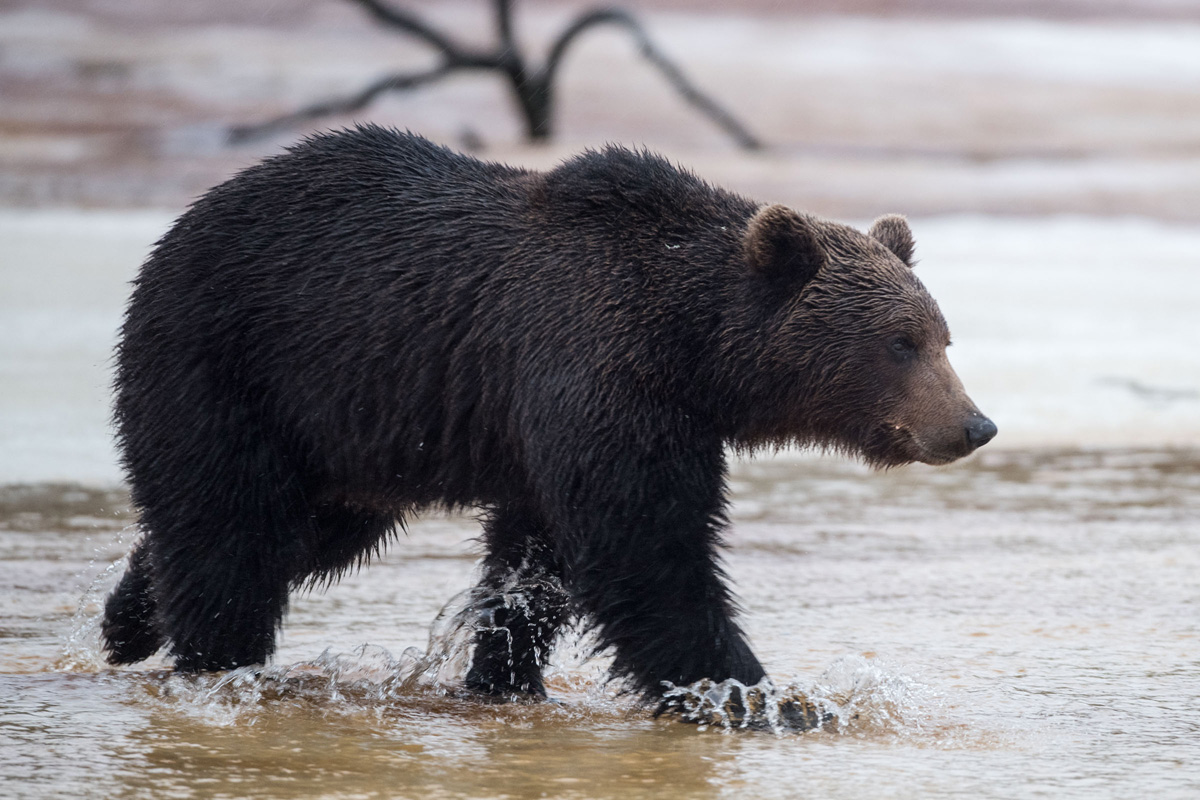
x,y
1023,624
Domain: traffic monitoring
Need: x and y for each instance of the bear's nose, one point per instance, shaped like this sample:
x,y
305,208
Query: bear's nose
x,y
980,431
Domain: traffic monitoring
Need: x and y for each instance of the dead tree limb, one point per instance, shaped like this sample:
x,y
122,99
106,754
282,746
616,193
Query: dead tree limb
x,y
344,105
533,89
679,82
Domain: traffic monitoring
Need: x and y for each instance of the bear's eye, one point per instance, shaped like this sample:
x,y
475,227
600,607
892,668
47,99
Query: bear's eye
x,y
902,347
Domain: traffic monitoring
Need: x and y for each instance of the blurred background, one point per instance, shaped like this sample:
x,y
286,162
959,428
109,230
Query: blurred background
x,y
1022,624
928,106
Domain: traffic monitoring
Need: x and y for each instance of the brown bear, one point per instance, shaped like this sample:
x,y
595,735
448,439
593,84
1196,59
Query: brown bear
x,y
370,324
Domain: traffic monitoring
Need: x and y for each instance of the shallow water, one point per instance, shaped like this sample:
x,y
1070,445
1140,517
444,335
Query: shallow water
x,y
1022,625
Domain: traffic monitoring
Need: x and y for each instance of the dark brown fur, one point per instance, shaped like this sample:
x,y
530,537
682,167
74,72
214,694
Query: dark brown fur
x,y
370,324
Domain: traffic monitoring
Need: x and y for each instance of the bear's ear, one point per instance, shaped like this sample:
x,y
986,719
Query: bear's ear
x,y
892,232
781,245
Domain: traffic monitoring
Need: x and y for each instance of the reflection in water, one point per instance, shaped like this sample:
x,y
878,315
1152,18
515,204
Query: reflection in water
x,y
1026,623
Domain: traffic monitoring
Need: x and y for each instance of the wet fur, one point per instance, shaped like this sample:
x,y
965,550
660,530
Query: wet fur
x,y
371,324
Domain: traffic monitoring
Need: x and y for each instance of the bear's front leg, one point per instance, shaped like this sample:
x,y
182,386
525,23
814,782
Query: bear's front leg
x,y
519,604
640,532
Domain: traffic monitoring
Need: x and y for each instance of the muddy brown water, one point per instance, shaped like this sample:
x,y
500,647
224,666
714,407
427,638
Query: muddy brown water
x,y
1021,625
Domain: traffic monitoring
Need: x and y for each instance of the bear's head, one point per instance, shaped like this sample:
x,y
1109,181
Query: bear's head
x,y
850,351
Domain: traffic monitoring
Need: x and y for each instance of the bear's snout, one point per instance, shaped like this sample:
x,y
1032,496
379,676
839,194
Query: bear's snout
x,y
944,423
980,430
940,445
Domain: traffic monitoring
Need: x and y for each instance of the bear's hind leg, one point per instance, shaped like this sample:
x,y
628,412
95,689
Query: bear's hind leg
x,y
225,543
129,632
222,589
520,605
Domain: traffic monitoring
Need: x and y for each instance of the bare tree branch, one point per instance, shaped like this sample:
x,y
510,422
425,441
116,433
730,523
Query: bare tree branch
x,y
407,21
532,89
504,25
617,16
346,105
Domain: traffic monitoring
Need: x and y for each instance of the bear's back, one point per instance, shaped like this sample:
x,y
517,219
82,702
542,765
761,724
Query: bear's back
x,y
402,309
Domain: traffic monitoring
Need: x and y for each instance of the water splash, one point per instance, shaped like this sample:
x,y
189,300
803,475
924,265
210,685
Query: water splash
x,y
854,695
81,651
731,704
369,678
875,697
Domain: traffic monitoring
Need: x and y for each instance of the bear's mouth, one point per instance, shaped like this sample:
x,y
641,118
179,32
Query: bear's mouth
x,y
940,453
894,444
890,445
939,459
